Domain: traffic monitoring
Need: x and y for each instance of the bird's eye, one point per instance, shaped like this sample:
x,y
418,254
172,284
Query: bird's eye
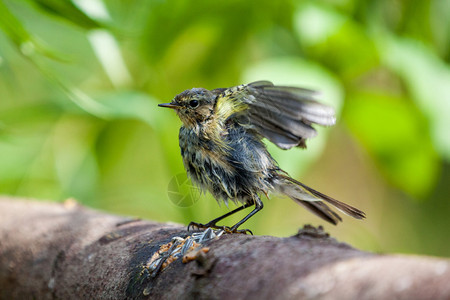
x,y
193,103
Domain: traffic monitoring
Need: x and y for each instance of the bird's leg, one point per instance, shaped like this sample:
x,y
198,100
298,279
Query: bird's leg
x,y
258,206
212,223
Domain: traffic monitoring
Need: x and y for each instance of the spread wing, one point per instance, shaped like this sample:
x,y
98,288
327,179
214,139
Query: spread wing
x,y
284,115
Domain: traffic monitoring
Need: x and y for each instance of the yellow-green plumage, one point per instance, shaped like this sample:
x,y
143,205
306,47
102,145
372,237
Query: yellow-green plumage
x,y
228,105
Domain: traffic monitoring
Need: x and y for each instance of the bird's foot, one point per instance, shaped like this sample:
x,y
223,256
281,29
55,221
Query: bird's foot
x,y
200,226
235,230
226,229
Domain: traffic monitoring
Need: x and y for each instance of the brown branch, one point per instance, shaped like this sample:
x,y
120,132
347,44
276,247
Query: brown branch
x,y
66,251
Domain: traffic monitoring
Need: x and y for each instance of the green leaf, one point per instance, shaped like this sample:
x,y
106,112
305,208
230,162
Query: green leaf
x,y
131,104
396,135
67,10
26,43
427,78
335,40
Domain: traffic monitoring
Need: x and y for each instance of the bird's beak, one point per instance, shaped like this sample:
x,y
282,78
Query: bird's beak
x,y
169,105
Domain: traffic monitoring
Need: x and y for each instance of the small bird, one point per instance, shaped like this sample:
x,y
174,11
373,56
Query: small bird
x,y
221,143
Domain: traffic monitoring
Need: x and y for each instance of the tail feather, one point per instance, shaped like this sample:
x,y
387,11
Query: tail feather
x,y
311,199
321,210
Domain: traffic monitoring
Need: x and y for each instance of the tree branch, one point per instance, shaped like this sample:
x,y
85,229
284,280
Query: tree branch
x,y
67,251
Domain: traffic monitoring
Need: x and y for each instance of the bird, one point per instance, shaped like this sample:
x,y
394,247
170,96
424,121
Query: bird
x,y
223,150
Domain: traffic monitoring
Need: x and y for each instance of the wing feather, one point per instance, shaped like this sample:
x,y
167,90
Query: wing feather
x,y
284,115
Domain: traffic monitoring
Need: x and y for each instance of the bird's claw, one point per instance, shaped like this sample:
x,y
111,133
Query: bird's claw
x,y
200,226
226,229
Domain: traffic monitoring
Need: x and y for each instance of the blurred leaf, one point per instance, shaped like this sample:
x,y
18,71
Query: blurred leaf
x,y
336,40
133,105
297,72
25,158
396,135
315,24
23,40
189,49
439,19
73,140
427,78
109,55
66,10
12,26
17,155
204,43
119,105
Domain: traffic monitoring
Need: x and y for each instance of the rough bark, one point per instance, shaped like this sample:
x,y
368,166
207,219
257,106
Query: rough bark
x,y
65,251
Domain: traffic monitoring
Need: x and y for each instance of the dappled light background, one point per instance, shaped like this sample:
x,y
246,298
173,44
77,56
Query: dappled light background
x,y
80,82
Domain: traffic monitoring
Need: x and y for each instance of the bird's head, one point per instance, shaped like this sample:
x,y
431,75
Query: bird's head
x,y
192,106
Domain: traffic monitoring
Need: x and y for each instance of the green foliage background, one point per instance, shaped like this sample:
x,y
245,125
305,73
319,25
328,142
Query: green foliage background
x,y
80,81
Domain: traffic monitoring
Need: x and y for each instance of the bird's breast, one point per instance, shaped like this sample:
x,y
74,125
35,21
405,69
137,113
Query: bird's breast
x,y
234,168
200,150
